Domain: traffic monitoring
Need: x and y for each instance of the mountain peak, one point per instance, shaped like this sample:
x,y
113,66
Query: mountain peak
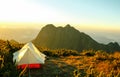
x,y
68,25
69,38
49,26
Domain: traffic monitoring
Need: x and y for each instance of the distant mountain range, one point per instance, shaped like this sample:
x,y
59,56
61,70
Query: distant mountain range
x,y
69,38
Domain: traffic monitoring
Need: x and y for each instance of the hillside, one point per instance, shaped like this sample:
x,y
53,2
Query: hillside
x,y
101,64
69,38
62,63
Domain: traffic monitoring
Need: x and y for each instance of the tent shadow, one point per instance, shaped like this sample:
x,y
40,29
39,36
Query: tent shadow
x,y
53,67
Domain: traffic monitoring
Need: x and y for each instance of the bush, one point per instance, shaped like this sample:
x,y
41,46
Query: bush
x,y
60,52
88,52
6,51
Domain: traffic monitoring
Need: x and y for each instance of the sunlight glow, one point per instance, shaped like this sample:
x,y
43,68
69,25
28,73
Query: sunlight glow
x,y
27,12
21,11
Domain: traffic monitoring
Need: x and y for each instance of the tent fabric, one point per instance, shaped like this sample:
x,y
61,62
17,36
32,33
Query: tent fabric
x,y
28,54
30,66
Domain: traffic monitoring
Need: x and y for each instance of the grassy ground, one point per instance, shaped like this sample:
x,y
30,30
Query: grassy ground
x,y
54,67
97,65
62,63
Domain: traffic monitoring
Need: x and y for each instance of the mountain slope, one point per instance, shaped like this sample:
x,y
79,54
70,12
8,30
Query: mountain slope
x,y
69,38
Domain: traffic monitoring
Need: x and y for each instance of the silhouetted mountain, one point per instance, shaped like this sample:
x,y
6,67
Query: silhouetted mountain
x,y
69,38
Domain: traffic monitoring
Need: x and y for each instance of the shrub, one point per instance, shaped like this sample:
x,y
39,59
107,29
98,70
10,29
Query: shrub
x,y
60,52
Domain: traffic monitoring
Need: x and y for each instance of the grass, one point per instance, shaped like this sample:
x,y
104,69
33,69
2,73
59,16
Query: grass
x,y
80,66
64,63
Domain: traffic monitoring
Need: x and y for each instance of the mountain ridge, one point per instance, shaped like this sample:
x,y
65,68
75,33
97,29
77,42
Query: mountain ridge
x,y
70,38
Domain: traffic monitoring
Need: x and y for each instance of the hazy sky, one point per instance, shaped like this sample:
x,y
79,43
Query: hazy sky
x,y
97,13
98,18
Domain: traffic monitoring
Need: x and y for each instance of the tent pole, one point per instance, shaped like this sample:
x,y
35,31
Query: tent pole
x,y
29,71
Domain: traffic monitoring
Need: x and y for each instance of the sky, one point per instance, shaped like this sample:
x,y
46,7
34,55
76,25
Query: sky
x,y
89,13
98,18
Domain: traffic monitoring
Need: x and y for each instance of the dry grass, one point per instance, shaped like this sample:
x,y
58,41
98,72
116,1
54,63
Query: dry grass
x,y
81,66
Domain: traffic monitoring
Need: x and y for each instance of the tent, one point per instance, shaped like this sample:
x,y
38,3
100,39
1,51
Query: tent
x,y
29,55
